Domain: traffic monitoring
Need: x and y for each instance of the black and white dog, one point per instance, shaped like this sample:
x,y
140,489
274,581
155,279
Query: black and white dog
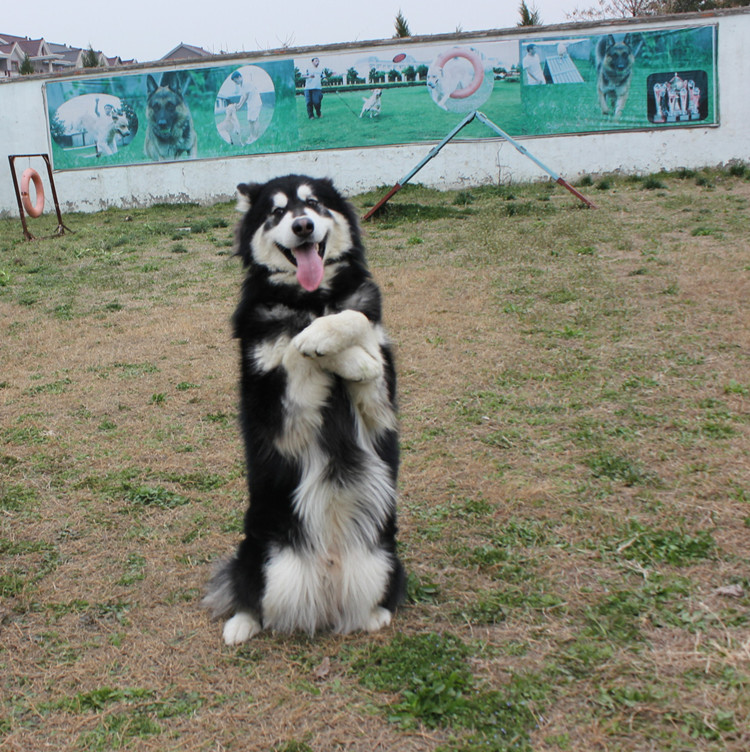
x,y
318,416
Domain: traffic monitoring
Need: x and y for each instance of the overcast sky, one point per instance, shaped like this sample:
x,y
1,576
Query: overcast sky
x,y
149,30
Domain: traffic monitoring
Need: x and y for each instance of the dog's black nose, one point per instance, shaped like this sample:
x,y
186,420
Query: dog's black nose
x,y
302,227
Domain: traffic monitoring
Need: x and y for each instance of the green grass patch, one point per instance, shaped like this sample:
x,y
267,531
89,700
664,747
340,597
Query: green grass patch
x,y
156,497
617,468
677,547
436,688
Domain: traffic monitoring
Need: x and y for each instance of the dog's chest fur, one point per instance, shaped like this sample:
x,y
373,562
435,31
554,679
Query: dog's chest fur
x,y
329,428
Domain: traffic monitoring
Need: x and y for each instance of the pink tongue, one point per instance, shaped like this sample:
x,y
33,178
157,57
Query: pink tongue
x,y
309,266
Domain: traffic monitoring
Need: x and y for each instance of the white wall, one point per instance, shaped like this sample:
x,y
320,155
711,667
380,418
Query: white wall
x,y
23,130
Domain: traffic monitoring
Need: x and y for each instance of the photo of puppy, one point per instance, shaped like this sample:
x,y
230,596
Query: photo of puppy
x,y
614,71
444,81
112,129
371,104
229,128
318,416
107,124
170,133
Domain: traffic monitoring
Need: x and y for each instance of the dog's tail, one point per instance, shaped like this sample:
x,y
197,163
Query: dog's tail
x,y
220,597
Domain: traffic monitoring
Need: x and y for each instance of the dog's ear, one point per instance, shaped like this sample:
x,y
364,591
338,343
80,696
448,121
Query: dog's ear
x,y
635,42
171,80
151,85
247,194
602,45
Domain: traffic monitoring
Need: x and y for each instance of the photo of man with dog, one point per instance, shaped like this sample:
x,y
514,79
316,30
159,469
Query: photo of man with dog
x,y
243,92
97,125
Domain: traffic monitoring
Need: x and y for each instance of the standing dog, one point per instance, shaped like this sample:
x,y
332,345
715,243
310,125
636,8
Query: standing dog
x,y
614,71
318,416
371,104
170,133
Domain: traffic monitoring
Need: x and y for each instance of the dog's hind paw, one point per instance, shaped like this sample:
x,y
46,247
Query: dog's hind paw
x,y
379,618
240,628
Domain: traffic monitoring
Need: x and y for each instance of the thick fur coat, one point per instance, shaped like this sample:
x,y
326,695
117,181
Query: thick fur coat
x,y
318,413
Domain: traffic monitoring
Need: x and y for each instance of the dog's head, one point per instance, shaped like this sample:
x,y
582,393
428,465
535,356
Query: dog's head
x,y
434,78
165,106
297,230
120,123
616,58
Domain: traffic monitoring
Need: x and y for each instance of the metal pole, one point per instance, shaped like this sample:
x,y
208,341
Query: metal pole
x,y
26,233
409,175
484,119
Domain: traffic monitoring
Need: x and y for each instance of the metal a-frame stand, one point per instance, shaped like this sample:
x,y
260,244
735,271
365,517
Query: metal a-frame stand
x,y
61,228
482,119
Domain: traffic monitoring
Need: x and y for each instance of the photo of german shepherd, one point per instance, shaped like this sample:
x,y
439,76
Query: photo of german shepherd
x,y
170,133
614,71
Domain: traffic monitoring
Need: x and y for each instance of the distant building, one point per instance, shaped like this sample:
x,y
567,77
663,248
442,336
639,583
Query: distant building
x,y
15,49
11,57
46,57
186,52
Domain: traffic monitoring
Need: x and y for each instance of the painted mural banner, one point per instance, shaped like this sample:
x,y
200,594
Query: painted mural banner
x,y
387,95
635,80
165,116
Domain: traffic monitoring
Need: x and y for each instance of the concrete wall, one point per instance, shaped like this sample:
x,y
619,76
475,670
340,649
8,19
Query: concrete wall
x,y
23,130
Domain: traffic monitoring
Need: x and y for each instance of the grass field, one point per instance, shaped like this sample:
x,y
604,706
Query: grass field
x,y
408,115
575,493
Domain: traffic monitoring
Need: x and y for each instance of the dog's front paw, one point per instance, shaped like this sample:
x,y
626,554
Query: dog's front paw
x,y
240,628
329,335
313,341
353,364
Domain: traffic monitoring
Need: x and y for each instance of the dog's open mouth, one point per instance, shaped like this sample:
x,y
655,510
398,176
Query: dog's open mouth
x,y
308,258
162,128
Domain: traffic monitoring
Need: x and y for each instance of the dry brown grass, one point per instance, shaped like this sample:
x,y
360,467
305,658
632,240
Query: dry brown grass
x,y
575,485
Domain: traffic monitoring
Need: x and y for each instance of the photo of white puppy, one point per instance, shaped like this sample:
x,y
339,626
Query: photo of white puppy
x,y
371,104
444,81
229,128
109,129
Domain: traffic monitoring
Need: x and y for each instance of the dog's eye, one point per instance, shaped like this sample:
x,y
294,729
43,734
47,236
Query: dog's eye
x,y
278,211
312,202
